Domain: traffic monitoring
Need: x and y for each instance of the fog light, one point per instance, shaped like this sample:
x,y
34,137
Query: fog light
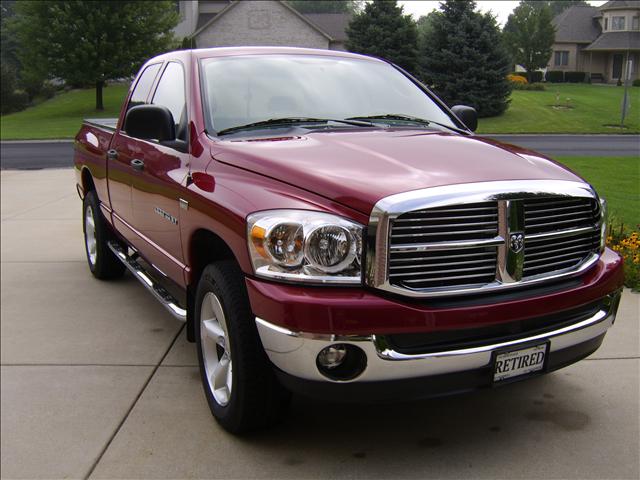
x,y
333,356
341,362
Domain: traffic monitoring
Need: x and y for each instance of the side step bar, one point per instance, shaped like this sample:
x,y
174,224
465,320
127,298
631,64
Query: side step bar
x,y
156,290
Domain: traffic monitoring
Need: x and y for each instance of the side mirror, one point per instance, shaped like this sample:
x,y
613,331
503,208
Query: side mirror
x,y
466,115
150,122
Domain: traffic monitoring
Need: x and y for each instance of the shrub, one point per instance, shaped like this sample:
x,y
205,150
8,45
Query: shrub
x,y
516,79
48,90
537,87
575,77
555,76
536,76
628,246
18,100
636,82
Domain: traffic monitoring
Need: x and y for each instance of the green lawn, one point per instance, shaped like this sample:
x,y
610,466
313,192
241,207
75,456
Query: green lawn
x,y
615,178
593,107
61,116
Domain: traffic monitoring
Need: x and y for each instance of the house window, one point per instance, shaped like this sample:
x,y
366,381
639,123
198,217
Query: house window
x,y
635,23
606,24
561,58
617,23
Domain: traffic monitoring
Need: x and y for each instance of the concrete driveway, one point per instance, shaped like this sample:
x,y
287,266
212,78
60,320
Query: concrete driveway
x,y
98,381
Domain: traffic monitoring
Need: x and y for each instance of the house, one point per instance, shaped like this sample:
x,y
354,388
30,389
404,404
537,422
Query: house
x,y
218,23
603,42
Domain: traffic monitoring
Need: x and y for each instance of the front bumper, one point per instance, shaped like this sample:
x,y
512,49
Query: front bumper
x,y
294,355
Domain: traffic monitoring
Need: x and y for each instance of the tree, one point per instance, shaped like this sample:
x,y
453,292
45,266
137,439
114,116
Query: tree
x,y
326,6
383,30
529,35
425,25
463,59
85,42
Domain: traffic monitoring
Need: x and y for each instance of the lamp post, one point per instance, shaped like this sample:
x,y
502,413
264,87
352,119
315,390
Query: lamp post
x,y
626,102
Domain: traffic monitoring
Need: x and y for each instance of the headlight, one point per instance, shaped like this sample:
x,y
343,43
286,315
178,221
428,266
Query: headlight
x,y
300,245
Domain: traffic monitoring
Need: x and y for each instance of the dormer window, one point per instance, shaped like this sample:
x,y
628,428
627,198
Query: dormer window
x,y
617,23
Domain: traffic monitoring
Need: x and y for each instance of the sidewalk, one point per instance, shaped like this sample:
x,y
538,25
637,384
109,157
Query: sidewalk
x,y
98,380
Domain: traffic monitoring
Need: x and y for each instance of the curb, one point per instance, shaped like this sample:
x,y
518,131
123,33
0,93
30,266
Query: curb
x,y
53,140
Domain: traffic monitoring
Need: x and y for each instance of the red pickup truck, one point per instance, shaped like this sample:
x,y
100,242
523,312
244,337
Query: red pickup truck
x,y
326,225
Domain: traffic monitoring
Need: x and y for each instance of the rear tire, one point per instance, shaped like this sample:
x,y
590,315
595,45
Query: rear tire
x,y
238,379
102,261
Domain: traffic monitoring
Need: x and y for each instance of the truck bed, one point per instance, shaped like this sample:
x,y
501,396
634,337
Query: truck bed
x,y
104,123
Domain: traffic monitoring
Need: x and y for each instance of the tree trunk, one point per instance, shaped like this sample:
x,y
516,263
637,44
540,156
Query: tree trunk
x,y
99,104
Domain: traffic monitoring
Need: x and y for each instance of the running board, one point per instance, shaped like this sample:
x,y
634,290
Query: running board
x,y
156,290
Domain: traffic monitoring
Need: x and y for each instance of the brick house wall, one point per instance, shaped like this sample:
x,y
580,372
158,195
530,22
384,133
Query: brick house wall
x,y
252,22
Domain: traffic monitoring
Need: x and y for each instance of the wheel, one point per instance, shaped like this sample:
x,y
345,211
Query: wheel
x,y
239,384
102,261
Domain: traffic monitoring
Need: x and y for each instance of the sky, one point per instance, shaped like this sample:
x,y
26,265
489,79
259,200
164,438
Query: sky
x,y
501,9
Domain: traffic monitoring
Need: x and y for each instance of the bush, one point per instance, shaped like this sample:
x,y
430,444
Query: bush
x,y
536,76
537,87
555,76
516,80
48,90
575,77
636,82
18,100
627,244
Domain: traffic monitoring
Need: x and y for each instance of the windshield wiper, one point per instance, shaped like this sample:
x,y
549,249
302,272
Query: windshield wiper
x,y
394,116
292,121
407,118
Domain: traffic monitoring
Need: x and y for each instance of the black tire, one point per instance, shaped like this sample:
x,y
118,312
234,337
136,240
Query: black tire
x,y
256,399
102,263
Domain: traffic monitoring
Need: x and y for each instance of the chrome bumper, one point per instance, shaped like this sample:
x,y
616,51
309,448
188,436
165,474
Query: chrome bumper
x,y
295,352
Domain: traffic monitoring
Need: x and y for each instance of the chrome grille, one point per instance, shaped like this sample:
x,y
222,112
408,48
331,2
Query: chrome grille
x,y
479,237
543,215
434,268
544,252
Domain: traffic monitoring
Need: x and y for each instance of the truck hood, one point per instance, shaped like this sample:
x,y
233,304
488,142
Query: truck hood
x,y
358,168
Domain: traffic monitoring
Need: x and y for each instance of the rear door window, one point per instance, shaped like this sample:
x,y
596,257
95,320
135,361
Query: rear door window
x,y
170,93
143,87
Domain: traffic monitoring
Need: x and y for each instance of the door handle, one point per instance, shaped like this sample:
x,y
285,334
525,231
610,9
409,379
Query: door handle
x,y
112,154
137,164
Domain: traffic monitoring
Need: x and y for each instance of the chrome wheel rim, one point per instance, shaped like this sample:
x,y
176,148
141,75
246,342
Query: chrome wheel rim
x,y
90,234
216,349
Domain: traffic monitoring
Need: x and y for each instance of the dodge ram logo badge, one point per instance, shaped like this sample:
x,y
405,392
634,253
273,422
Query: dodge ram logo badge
x,y
516,242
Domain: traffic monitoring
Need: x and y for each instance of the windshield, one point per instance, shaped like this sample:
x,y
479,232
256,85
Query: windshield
x,y
248,89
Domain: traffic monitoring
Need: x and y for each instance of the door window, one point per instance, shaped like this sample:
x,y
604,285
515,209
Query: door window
x,y
170,93
143,87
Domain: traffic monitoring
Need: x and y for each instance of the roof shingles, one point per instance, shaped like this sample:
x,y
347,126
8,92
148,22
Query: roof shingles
x,y
577,25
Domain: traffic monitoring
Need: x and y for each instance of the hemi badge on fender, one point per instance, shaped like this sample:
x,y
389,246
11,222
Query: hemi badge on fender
x,y
166,216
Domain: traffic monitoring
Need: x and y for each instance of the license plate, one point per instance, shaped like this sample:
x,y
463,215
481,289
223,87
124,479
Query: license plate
x,y
519,362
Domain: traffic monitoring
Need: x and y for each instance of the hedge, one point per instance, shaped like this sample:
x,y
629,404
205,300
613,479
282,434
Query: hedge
x,y
555,76
575,77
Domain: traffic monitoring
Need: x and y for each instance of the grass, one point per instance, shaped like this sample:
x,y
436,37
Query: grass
x,y
615,178
593,107
61,116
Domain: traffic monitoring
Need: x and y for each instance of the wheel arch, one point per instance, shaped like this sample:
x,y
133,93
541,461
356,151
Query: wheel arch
x,y
86,179
204,247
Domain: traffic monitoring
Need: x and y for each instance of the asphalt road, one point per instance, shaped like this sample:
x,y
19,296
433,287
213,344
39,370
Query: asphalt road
x,y
37,155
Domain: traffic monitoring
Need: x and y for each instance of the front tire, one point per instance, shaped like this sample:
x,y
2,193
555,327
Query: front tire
x,y
102,261
239,384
